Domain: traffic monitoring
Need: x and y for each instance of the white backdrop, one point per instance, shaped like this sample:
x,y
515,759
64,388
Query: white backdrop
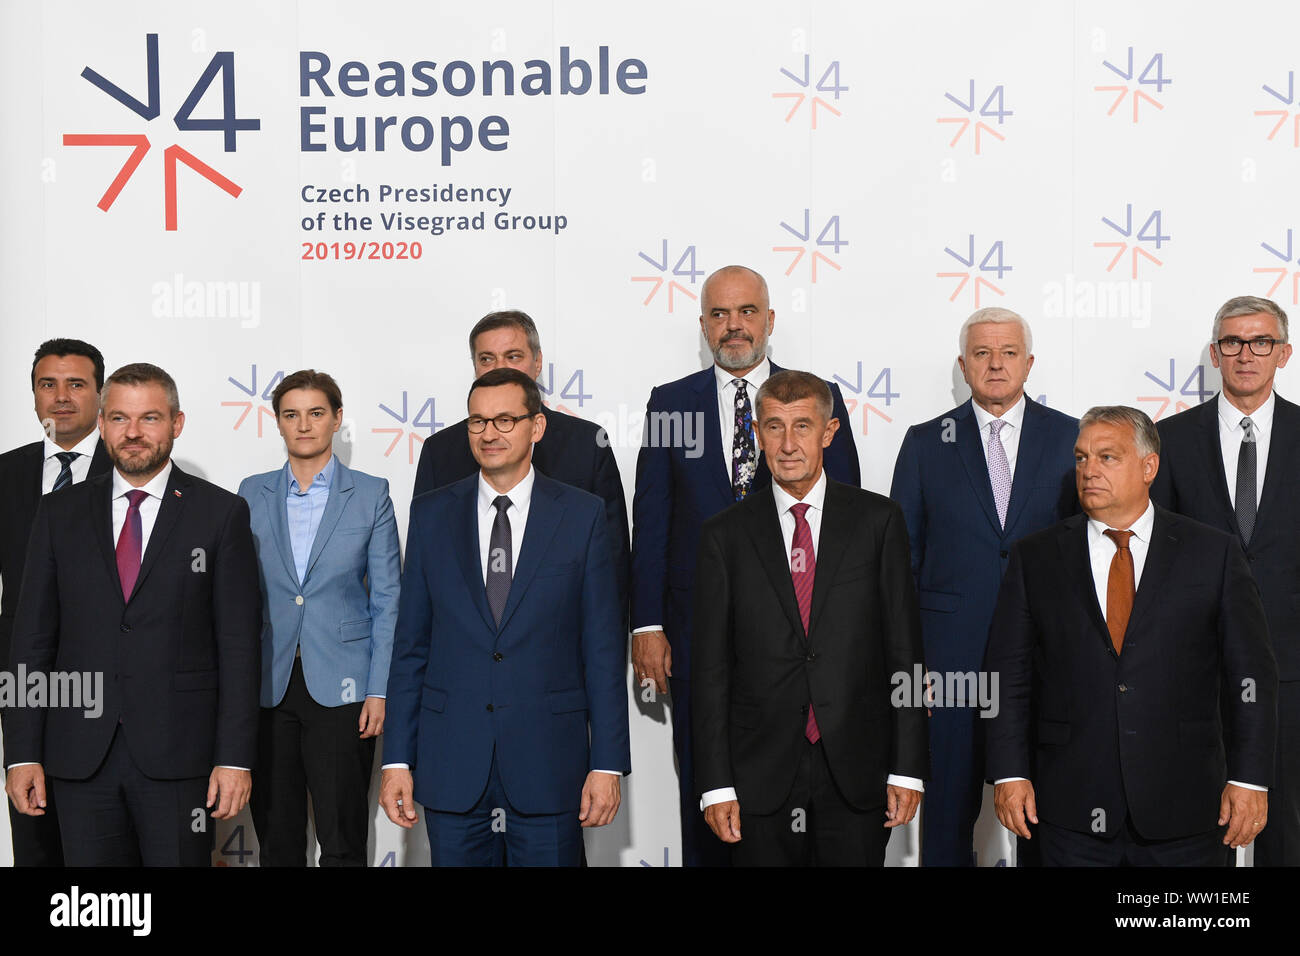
x,y
1114,171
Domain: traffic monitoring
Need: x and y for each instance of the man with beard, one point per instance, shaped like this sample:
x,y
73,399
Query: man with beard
x,y
680,483
144,583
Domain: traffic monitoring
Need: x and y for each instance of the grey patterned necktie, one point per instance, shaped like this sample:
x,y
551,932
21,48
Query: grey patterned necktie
x,y
499,560
743,462
1246,474
66,458
999,471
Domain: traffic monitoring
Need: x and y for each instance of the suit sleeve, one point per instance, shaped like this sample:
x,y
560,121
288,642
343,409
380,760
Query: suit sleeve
x,y
35,640
652,512
411,640
609,485
711,664
1163,492
906,492
604,658
237,624
842,455
1250,674
910,754
384,577
1009,659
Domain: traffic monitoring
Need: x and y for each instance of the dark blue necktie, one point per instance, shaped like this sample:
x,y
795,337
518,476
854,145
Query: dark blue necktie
x,y
66,458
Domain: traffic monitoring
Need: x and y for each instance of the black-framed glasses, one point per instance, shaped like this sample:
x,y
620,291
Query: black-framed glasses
x,y
504,423
1232,345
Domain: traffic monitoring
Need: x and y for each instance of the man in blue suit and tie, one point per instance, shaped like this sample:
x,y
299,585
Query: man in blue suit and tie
x,y
330,571
507,709
972,482
698,456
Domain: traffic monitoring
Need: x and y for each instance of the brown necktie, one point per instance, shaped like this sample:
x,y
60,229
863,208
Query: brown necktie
x,y
1119,588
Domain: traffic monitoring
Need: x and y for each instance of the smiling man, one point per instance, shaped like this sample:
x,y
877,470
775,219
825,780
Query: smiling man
x,y
971,482
507,713
805,611
147,576
1138,690
1232,463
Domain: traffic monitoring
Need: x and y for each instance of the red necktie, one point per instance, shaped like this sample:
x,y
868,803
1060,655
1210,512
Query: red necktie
x,y
803,567
128,544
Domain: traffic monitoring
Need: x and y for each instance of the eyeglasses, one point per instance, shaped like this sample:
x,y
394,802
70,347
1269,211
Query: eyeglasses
x,y
1232,345
504,423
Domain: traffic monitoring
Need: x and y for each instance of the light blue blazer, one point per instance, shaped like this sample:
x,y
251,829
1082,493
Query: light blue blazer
x,y
344,612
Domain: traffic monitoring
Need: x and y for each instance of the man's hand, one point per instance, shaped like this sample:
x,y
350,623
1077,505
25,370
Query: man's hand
x,y
395,796
1014,802
900,805
371,722
652,657
26,788
600,799
233,787
1244,810
724,820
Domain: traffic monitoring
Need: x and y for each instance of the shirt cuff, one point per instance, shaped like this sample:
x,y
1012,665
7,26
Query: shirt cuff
x,y
907,783
25,763
396,766
721,795
1248,786
1008,780
616,773
648,627
375,696
222,766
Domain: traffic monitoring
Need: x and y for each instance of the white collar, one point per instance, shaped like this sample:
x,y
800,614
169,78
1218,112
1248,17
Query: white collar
x,y
755,377
1013,416
156,487
816,497
1141,528
520,495
84,447
1262,417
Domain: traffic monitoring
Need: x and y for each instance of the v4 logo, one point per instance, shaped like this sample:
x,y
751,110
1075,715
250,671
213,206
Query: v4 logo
x,y
1287,99
229,124
1153,74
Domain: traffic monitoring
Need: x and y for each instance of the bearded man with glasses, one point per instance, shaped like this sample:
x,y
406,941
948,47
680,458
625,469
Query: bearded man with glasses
x,y
1233,463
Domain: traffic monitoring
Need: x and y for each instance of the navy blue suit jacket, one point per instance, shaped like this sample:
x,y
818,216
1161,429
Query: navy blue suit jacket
x,y
959,552
677,488
459,686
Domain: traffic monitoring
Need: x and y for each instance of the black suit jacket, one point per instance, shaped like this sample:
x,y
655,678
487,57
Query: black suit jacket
x,y
1191,481
755,672
1141,732
20,490
572,450
181,659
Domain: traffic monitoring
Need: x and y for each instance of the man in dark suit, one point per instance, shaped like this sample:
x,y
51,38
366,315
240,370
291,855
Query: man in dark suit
x,y
507,709
805,616
1138,691
698,456
67,375
971,482
1232,463
144,580
573,450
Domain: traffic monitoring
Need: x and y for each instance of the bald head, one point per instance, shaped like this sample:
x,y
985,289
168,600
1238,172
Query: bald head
x,y
736,318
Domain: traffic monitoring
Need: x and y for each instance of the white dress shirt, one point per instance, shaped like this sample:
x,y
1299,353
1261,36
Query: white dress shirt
x,y
155,490
1230,435
1101,551
1013,418
815,499
51,467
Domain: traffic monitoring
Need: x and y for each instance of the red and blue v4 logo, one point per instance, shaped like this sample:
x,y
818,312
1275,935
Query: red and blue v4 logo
x,y
229,124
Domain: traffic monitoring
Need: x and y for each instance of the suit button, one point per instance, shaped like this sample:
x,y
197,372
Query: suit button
x,y
1123,688
124,628
489,707
498,656
1003,554
804,710
811,657
298,600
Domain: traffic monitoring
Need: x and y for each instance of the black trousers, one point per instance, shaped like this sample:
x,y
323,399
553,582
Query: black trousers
x,y
1062,847
1279,842
699,846
815,827
120,817
305,747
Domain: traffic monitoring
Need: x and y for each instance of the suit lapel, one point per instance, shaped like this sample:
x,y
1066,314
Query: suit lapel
x,y
1211,450
977,469
99,462
765,529
467,553
1029,455
837,530
1073,541
275,494
706,404
101,510
544,514
28,492
340,493
1160,561
169,512
1281,453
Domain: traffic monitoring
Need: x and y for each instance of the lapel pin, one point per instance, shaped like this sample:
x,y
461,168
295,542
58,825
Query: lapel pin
x,y
176,492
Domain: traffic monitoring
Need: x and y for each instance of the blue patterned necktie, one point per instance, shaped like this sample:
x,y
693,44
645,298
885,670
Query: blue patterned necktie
x,y
743,462
66,458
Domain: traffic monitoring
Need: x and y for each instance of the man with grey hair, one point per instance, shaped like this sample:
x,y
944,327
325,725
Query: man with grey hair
x,y
679,484
1137,723
971,482
1231,463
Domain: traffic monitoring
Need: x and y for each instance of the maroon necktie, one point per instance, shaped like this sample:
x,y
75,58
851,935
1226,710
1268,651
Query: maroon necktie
x,y
803,566
128,544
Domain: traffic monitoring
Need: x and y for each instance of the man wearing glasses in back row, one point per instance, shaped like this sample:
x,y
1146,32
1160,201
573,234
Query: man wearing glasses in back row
x,y
1232,463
